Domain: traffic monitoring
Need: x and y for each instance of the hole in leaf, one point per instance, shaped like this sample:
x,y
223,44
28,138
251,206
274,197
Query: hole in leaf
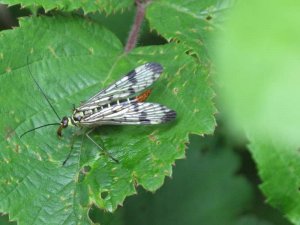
x,y
209,17
104,194
86,169
83,172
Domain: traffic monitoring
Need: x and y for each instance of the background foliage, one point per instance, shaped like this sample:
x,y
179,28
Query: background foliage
x,y
75,48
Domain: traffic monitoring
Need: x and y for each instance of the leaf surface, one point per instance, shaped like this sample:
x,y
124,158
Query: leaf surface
x,y
72,59
190,22
260,92
108,6
278,166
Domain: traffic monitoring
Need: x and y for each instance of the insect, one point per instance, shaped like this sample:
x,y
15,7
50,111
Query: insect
x,y
121,103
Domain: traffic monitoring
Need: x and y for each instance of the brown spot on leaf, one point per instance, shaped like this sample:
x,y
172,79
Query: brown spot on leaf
x,y
175,90
152,137
9,133
17,148
8,70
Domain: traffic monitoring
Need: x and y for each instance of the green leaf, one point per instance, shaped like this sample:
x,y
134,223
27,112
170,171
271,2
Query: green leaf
x,y
119,23
72,59
260,90
108,6
252,220
190,22
278,166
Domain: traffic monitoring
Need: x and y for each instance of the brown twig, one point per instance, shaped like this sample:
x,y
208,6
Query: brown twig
x,y
136,27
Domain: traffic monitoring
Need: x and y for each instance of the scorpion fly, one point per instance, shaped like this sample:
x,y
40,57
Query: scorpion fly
x,y
121,103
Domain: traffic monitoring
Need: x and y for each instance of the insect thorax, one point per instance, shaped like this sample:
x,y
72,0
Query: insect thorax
x,y
76,117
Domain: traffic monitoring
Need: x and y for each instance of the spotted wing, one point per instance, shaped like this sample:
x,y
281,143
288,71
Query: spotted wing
x,y
128,113
132,83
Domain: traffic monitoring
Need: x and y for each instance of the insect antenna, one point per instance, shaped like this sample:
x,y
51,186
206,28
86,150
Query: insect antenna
x,y
45,125
41,90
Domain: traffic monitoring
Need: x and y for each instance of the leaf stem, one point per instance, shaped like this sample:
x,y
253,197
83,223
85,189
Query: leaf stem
x,y
136,27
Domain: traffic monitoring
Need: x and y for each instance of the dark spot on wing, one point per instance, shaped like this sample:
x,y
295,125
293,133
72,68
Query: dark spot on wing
x,y
136,108
131,74
145,121
153,78
131,90
170,115
143,114
143,117
133,80
155,67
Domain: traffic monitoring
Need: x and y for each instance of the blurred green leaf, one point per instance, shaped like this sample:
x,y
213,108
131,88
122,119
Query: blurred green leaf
x,y
279,167
259,79
252,220
108,6
73,59
258,68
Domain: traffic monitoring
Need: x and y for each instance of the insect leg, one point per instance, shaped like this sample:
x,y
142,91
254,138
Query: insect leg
x,y
71,150
102,149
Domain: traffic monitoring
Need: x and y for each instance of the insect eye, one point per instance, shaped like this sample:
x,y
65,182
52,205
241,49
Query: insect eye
x,y
65,122
77,118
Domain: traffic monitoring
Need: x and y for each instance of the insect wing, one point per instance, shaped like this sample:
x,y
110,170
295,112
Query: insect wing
x,y
128,113
132,83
